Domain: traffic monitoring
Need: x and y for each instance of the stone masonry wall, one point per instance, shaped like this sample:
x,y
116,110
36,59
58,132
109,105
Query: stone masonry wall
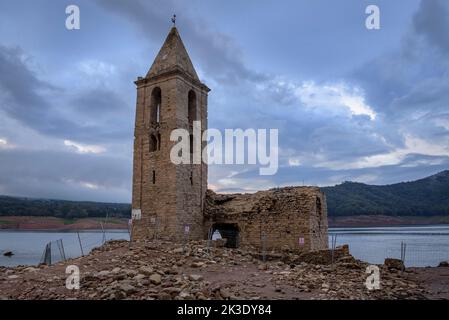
x,y
319,223
275,219
191,179
175,198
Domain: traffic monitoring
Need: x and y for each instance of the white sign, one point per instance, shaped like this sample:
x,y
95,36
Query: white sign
x,y
301,241
136,214
186,229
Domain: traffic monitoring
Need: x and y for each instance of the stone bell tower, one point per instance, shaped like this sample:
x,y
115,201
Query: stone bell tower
x,y
168,199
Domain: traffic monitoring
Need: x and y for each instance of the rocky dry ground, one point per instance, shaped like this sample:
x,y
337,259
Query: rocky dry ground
x,y
165,270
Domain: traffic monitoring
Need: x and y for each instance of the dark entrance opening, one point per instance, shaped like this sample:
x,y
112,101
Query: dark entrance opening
x,y
229,231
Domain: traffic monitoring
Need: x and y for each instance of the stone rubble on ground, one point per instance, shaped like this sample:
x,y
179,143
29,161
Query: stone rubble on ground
x,y
159,270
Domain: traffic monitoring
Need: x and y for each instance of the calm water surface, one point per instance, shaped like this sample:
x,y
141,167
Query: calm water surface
x,y
28,246
425,245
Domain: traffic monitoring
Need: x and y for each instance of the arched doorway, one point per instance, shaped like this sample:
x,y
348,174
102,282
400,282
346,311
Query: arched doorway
x,y
228,231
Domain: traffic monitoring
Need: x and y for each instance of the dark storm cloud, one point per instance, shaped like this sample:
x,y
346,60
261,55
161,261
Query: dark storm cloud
x,y
415,77
405,81
99,101
220,57
32,101
21,90
64,175
432,22
411,168
408,88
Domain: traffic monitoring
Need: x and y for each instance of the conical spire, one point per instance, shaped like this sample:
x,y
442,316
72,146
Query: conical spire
x,y
173,55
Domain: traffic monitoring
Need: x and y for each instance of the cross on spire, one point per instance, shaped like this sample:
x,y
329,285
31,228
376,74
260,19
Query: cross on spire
x,y
172,55
173,19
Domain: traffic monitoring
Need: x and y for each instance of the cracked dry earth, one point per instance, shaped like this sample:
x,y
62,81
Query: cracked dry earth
x,y
166,270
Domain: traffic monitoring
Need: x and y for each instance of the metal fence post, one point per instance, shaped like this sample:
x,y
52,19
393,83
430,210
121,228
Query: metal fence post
x,y
81,246
403,251
263,240
103,240
334,244
209,241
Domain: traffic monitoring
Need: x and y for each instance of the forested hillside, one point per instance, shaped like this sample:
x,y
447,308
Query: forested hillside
x,y
12,206
425,197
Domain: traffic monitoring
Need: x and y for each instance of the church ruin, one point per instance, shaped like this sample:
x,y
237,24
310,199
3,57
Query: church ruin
x,y
171,201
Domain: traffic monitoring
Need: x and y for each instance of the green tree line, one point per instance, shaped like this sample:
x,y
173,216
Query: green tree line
x,y
12,206
425,197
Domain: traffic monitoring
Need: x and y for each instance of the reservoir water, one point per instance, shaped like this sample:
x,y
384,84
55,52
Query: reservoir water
x,y
28,246
425,245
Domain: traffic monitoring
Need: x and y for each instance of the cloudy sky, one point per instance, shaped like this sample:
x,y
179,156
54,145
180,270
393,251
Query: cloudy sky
x,y
350,103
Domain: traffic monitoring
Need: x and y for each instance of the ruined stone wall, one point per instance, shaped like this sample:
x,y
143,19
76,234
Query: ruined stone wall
x,y
275,219
319,223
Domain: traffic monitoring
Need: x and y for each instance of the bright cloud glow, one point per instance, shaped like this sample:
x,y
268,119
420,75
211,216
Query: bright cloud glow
x,y
294,162
4,144
334,96
83,184
413,145
89,185
84,148
96,68
443,123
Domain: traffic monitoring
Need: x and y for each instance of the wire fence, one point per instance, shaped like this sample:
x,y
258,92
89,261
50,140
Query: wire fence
x,y
413,252
419,255
76,244
53,252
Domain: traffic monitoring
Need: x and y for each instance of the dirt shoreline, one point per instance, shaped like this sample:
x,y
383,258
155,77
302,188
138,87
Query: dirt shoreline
x,y
385,221
166,270
59,224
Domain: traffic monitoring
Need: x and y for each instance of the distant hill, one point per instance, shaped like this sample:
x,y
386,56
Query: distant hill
x,y
13,206
424,197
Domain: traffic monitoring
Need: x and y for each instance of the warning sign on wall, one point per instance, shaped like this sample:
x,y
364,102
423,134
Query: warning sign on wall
x,y
301,241
136,214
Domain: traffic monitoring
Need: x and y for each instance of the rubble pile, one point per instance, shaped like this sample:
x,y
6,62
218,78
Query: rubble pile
x,y
196,270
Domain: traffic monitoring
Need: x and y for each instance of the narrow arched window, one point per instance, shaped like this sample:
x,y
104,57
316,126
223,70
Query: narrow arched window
x,y
192,110
318,205
319,211
158,141
155,107
153,143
